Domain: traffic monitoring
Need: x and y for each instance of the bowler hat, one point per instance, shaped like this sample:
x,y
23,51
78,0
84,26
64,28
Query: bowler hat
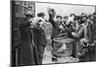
x,y
29,13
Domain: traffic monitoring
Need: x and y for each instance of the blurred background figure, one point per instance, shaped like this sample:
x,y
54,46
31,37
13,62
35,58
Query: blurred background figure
x,y
65,19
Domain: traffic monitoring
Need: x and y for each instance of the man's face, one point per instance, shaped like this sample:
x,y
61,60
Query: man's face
x,y
67,23
92,17
28,18
91,22
65,19
84,19
43,16
73,16
59,19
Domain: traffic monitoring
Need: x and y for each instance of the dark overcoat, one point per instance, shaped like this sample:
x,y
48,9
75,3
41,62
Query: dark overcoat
x,y
39,44
26,54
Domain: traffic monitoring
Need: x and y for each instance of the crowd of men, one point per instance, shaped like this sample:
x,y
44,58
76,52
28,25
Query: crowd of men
x,y
37,33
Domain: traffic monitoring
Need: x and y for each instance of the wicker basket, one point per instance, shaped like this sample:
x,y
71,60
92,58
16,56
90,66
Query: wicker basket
x,y
57,44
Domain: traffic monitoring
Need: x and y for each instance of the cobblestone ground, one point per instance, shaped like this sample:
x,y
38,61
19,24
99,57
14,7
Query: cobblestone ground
x,y
47,58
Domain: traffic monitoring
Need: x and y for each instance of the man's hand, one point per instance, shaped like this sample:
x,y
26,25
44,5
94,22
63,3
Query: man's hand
x,y
51,12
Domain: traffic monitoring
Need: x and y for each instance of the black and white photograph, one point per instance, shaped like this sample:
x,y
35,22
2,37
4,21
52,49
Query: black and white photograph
x,y
46,33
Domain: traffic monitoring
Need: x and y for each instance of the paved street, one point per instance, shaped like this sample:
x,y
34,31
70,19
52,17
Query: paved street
x,y
47,58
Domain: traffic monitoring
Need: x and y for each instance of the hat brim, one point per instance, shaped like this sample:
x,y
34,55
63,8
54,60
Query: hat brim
x,y
29,15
